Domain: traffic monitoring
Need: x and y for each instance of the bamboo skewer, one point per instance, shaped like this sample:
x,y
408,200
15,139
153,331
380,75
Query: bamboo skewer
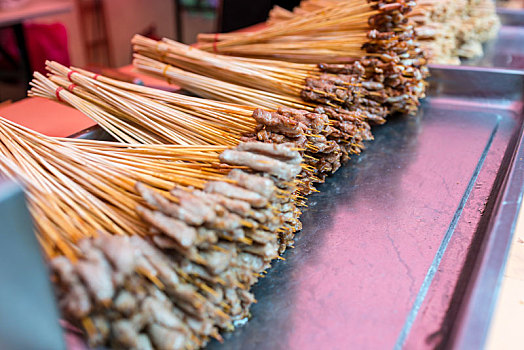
x,y
388,70
95,180
447,30
332,33
80,190
218,90
235,122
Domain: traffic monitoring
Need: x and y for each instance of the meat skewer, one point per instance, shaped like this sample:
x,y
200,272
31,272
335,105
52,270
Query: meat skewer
x,y
155,245
161,288
447,30
121,108
386,79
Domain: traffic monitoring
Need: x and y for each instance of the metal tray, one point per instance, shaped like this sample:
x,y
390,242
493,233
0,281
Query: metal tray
x,y
405,245
507,50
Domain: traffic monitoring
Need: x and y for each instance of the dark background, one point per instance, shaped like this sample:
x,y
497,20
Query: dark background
x,y
237,14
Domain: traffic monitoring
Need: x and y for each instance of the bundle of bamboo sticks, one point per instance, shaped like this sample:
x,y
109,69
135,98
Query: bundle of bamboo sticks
x,y
334,33
373,92
154,245
386,78
447,30
328,31
155,241
126,109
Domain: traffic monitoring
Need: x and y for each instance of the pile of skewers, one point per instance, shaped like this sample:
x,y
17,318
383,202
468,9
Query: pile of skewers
x,y
154,245
385,77
155,240
448,30
451,30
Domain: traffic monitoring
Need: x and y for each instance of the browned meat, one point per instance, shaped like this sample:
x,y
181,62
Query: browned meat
x,y
162,315
124,334
277,123
236,206
236,192
258,184
206,236
103,329
190,210
268,251
255,262
261,163
125,303
183,234
164,242
283,152
157,262
233,301
371,85
261,237
76,302
217,261
143,343
165,338
246,298
197,212
118,251
97,276
200,326
193,269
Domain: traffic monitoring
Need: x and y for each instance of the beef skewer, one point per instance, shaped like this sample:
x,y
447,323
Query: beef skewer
x,y
333,34
326,143
164,288
386,80
447,30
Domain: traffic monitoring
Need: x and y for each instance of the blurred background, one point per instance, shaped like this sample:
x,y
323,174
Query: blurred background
x,y
96,34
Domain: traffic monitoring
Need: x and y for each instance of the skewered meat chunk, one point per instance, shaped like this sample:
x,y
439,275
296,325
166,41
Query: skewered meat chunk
x,y
258,184
261,163
217,261
206,236
125,303
236,206
117,252
234,302
276,122
165,338
183,234
230,223
200,326
96,274
268,251
164,242
124,334
236,192
143,343
190,210
103,329
76,301
282,152
161,315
